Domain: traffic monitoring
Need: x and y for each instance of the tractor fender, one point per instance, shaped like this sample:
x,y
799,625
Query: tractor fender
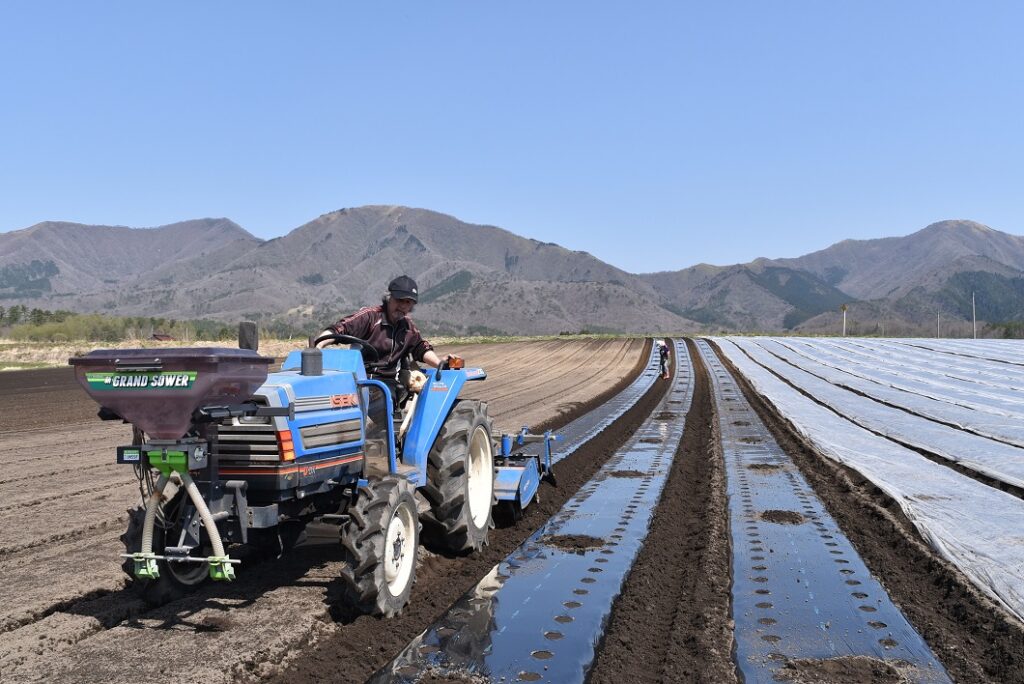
x,y
432,408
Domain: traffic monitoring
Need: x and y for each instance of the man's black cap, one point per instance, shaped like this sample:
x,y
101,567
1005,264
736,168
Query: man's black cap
x,y
404,287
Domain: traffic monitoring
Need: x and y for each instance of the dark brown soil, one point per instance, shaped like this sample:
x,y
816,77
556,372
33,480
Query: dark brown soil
x,y
783,517
573,542
672,622
845,670
627,473
361,645
764,467
431,678
973,637
35,393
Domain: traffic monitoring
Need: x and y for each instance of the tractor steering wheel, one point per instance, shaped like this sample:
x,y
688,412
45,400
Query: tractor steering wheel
x,y
361,344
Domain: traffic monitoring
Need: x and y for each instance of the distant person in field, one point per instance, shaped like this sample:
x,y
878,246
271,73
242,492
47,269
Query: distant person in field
x,y
389,330
663,358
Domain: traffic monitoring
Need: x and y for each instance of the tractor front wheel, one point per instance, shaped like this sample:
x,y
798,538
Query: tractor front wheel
x,y
460,480
379,542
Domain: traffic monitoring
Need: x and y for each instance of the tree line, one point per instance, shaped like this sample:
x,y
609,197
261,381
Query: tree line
x,y
21,323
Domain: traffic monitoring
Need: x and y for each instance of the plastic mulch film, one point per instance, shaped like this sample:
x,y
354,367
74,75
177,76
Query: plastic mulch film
x,y
988,375
997,426
876,369
1005,351
997,460
975,527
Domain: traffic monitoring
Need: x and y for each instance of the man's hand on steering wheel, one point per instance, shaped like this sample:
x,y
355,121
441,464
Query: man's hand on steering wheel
x,y
370,355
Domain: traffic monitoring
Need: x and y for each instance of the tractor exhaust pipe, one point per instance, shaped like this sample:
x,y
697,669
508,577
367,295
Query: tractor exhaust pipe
x,y
248,336
312,360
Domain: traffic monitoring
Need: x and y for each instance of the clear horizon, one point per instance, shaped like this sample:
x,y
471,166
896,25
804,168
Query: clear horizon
x,y
653,137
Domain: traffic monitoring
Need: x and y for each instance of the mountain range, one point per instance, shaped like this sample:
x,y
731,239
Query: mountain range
x,y
479,279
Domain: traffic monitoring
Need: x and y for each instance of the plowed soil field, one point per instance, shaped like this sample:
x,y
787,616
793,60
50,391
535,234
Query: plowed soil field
x,y
64,613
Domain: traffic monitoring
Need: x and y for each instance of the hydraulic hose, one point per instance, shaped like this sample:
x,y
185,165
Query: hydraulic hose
x,y
151,507
204,514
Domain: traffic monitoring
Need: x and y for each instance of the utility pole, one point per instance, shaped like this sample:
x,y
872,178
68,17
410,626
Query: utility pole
x,y
843,309
974,316
937,323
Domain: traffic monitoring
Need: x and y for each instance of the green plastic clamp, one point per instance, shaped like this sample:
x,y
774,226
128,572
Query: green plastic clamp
x,y
221,569
145,565
167,461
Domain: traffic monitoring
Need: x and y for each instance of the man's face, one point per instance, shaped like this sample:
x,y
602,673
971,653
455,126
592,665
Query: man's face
x,y
399,308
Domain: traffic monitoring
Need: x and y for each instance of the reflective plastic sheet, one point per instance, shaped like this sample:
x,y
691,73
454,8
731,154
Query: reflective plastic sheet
x,y
998,460
978,528
800,590
996,426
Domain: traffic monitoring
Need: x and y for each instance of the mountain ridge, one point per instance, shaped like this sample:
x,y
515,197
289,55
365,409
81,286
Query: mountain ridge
x,y
482,278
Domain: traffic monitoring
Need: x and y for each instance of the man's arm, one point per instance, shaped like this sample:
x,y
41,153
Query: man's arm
x,y
356,325
432,359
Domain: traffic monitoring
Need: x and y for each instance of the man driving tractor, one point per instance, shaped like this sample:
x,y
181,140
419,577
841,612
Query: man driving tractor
x,y
389,330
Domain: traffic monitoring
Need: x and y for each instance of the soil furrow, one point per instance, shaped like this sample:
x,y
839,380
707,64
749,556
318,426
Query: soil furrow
x,y
66,535
22,498
672,620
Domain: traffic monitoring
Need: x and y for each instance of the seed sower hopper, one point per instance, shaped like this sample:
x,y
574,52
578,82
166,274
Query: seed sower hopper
x,y
228,454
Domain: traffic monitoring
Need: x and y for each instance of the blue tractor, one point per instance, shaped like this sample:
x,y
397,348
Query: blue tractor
x,y
228,454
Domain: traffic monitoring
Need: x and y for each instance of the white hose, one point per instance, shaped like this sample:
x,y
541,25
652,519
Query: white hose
x,y
151,506
410,408
204,514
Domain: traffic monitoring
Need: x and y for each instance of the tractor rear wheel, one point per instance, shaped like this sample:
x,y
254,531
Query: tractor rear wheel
x,y
379,542
460,480
176,580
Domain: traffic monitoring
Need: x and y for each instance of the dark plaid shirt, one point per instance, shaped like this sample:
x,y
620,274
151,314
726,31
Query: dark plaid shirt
x,y
391,341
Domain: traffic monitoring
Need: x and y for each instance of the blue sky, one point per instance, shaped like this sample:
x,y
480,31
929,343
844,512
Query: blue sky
x,y
652,135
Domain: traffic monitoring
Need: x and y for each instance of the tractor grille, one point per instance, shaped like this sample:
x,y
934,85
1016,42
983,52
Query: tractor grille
x,y
247,443
312,404
314,436
247,439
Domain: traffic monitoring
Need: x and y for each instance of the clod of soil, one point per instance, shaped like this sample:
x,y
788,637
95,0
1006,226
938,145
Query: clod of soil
x,y
577,543
627,473
452,678
750,440
666,415
764,467
783,517
844,670
651,440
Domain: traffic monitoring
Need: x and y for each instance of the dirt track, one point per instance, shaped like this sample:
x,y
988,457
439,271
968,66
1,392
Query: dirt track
x,y
62,502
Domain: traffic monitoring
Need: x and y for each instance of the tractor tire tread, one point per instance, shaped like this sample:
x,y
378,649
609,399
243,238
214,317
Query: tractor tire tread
x,y
448,524
362,543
